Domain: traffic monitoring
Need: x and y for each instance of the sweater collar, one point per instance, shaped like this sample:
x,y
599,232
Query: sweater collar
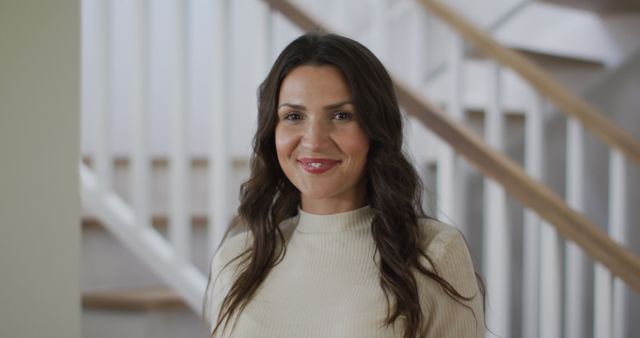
x,y
343,221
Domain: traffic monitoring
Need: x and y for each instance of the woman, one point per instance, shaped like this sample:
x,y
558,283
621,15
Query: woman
x,y
333,241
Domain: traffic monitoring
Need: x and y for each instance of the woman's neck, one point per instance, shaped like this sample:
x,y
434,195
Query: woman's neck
x,y
330,206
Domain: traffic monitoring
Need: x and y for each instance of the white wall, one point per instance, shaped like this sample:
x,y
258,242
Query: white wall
x,y
39,199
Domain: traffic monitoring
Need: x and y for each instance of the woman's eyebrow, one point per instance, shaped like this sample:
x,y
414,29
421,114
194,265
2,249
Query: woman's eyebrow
x,y
337,105
327,107
291,105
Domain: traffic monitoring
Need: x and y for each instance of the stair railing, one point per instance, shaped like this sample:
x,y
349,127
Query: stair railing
x,y
569,223
609,294
548,87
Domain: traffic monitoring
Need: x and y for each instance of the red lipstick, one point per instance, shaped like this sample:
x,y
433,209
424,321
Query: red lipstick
x,y
317,165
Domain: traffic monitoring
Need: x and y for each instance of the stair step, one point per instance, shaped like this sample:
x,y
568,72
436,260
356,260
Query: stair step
x,y
159,222
142,299
163,161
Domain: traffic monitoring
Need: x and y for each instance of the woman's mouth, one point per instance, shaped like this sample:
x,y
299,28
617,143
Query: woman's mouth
x,y
317,165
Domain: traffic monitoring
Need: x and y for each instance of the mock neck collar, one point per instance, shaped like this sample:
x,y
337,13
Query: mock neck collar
x,y
343,221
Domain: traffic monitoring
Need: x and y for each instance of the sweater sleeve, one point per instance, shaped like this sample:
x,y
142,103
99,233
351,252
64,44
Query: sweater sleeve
x,y
444,316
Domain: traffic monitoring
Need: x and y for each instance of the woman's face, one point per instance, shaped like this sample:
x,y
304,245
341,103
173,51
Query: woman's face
x,y
320,144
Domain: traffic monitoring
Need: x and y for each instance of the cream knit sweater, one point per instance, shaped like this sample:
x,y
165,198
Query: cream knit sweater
x,y
327,285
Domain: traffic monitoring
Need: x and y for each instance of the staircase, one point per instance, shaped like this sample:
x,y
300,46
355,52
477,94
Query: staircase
x,y
164,183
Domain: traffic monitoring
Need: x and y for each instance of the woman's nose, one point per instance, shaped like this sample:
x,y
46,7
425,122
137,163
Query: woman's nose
x,y
316,136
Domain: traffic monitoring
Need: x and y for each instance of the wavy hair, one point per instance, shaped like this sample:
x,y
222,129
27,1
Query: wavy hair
x,y
393,186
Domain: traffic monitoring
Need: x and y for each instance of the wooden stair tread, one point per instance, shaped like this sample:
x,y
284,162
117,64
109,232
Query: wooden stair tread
x,y
141,299
159,222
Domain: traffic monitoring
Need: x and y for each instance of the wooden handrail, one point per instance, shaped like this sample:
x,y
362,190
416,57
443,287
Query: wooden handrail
x,y
531,193
564,99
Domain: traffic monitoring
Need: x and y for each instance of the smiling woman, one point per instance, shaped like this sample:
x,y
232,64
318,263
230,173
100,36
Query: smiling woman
x,y
331,239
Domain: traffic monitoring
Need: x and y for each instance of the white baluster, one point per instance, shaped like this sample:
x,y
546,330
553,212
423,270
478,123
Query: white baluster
x,y
140,167
180,223
97,82
417,36
445,186
449,179
219,156
602,302
609,317
456,77
618,231
496,234
575,274
550,283
264,48
550,315
534,138
619,311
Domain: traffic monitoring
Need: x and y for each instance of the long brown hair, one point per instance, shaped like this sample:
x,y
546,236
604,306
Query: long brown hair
x,y
393,186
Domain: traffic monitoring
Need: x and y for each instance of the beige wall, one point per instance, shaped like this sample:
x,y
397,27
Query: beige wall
x,y
39,199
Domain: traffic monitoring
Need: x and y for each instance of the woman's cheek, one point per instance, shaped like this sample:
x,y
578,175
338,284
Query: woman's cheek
x,y
355,143
285,141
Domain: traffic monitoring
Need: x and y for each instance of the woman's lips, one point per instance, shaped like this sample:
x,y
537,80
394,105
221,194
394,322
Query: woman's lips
x,y
317,165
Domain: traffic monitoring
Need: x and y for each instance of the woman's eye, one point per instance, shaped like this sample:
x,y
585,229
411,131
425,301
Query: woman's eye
x,y
292,116
343,115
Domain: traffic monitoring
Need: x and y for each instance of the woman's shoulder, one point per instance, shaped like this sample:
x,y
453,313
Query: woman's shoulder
x,y
449,256
447,250
439,237
232,246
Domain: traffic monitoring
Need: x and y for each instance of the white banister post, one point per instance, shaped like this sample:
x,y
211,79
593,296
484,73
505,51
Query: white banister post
x,y
550,283
264,48
550,278
575,274
445,186
97,82
449,198
618,231
180,222
496,234
418,35
619,311
609,317
602,302
218,170
534,138
141,170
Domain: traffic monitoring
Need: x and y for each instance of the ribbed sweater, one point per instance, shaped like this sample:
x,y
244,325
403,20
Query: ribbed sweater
x,y
328,283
